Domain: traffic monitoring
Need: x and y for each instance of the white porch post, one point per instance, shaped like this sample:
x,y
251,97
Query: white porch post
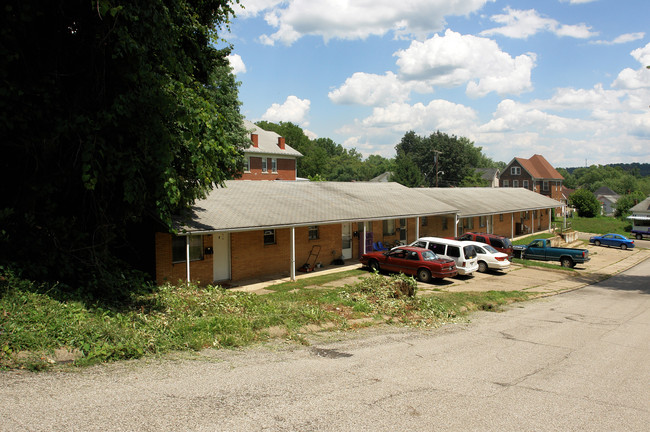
x,y
550,217
365,233
532,218
292,242
187,258
417,227
456,220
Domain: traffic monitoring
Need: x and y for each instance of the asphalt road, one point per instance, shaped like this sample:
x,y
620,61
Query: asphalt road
x,y
577,361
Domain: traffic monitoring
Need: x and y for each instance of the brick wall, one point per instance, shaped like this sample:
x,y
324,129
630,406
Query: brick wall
x,y
286,169
251,259
201,271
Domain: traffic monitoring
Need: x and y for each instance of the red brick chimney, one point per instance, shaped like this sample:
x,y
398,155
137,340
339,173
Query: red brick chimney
x,y
254,138
281,142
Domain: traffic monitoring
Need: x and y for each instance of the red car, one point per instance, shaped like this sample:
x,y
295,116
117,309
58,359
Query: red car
x,y
412,261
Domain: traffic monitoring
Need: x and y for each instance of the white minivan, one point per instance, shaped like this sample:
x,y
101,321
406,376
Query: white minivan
x,y
460,251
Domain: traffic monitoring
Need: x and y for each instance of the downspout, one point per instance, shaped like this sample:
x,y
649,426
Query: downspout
x,y
292,242
365,233
512,225
187,258
417,228
456,219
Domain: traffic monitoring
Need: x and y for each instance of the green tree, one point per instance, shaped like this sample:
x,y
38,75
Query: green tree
x,y
439,152
585,202
112,113
626,202
406,171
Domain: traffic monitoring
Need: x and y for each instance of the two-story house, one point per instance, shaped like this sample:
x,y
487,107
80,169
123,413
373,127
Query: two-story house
x,y
269,157
535,174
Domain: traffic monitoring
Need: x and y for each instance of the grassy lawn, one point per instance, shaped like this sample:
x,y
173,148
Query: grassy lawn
x,y
601,225
37,319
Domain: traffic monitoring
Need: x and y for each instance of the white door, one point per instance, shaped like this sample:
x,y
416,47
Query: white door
x,y
221,256
346,241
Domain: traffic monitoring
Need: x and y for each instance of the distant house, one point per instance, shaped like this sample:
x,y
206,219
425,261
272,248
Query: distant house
x,y
269,157
491,175
566,193
641,216
534,174
607,199
383,178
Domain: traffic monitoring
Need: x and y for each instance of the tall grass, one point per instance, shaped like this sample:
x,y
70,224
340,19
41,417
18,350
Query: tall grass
x,y
35,319
601,225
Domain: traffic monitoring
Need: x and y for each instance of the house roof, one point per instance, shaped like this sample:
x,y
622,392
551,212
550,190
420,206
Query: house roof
x,y
642,207
538,167
383,177
247,205
604,190
488,173
484,201
268,142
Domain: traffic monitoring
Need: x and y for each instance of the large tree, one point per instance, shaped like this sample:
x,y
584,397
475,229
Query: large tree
x,y
112,112
443,160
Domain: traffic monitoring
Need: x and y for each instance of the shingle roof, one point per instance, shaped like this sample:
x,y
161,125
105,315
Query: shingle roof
x,y
643,206
268,142
539,167
484,201
487,173
244,204
247,205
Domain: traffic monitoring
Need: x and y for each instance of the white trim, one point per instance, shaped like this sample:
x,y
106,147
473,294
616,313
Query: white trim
x,y
292,253
187,258
639,217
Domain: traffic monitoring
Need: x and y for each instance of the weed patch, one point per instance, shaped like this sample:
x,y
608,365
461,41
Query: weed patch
x,y
36,322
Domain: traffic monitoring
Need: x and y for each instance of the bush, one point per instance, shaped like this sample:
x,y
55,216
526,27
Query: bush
x,y
585,202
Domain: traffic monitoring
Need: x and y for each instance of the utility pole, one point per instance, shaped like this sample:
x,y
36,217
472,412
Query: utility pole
x,y
436,154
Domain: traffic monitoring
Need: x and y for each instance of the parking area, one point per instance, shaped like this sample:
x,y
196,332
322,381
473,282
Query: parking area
x,y
604,262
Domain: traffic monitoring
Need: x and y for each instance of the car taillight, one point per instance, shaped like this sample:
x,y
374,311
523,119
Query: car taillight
x,y
500,258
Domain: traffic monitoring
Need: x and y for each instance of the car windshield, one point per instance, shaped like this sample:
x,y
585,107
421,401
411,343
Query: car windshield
x,y
429,256
490,249
506,243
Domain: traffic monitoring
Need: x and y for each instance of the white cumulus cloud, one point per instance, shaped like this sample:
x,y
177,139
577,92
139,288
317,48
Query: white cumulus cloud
x,y
371,90
293,110
237,64
520,24
639,79
359,19
454,59
624,38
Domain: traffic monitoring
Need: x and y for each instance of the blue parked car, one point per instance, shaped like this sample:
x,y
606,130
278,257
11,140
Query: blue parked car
x,y
615,240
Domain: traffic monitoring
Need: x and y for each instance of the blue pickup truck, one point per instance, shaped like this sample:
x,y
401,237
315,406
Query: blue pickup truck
x,y
542,250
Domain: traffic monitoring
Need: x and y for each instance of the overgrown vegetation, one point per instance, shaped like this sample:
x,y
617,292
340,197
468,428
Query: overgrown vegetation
x,y
38,318
601,225
114,116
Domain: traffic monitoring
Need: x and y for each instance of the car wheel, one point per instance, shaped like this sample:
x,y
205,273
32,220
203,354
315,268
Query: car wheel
x,y
639,236
482,266
424,275
623,246
597,242
566,262
374,266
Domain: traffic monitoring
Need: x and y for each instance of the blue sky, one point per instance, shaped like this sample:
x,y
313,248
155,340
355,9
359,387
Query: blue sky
x,y
563,78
